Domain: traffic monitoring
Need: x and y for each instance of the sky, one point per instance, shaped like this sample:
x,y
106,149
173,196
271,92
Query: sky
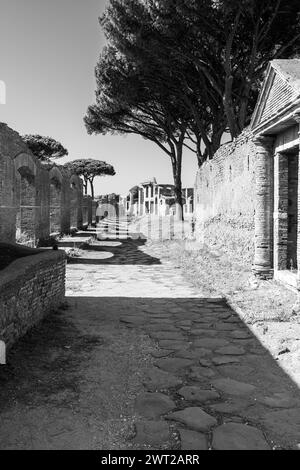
x,y
48,52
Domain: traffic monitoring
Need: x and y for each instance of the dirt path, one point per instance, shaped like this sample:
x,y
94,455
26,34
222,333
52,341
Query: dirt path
x,y
141,360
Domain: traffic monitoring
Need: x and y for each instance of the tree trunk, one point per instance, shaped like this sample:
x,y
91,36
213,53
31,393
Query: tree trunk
x,y
177,165
92,189
85,186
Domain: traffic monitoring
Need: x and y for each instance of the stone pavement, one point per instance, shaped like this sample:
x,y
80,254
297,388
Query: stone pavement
x,y
211,384
141,360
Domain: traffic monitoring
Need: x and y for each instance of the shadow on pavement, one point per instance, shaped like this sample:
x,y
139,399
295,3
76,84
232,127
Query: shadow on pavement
x,y
78,364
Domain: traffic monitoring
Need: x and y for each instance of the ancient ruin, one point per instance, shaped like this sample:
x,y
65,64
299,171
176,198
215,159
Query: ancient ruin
x,y
36,201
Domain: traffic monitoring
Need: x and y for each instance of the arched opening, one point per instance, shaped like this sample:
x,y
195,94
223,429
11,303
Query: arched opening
x,y
26,217
55,205
74,205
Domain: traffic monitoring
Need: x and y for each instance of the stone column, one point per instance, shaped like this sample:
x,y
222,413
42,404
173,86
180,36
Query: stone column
x,y
297,119
264,166
280,211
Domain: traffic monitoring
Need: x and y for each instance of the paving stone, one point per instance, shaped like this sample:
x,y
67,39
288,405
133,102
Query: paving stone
x,y
133,320
152,433
193,393
284,424
201,331
185,354
233,387
240,334
231,351
159,328
184,323
161,353
153,405
193,353
192,440
221,360
231,406
235,370
278,400
210,343
204,362
159,380
194,418
197,373
234,436
185,328
174,345
167,335
224,327
174,364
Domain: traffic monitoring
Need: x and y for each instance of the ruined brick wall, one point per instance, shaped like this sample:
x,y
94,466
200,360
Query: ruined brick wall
x,y
86,211
225,198
36,199
30,288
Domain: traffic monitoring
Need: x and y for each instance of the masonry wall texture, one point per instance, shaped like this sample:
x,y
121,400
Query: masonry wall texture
x,y
36,199
30,288
225,198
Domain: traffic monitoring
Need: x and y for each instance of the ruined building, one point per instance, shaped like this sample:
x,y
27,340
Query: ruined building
x,y
36,200
252,184
157,199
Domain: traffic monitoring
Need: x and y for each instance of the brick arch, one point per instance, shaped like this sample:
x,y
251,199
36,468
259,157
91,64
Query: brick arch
x,y
75,191
26,197
56,200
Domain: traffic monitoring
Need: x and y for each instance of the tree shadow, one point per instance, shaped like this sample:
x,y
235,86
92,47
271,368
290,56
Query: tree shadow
x,y
124,252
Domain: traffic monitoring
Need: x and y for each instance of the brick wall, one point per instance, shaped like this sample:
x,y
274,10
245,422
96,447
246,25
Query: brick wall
x,y
225,198
30,288
36,199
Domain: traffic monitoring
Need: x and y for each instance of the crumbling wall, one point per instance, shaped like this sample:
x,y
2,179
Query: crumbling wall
x,y
225,199
36,199
30,288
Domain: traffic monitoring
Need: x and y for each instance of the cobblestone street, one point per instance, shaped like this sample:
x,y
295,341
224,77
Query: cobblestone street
x,y
140,360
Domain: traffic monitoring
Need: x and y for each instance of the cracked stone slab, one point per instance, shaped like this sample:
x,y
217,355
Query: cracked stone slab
x,y
174,364
210,343
221,360
194,418
153,405
235,436
193,353
159,380
233,387
152,433
194,393
192,440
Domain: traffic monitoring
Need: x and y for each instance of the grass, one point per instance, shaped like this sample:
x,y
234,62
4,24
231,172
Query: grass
x,y
215,271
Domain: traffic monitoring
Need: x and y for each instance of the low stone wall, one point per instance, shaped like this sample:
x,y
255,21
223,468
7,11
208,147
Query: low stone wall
x,y
30,288
225,199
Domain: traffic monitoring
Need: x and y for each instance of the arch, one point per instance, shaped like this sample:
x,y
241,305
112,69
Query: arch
x,y
55,200
26,200
75,190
